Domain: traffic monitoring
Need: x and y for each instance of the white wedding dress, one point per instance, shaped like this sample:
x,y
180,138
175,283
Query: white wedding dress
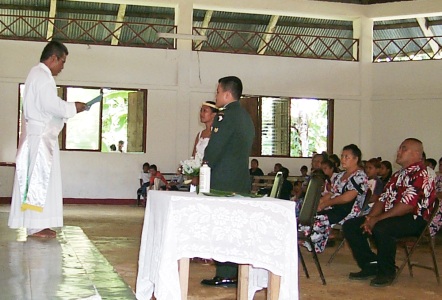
x,y
199,153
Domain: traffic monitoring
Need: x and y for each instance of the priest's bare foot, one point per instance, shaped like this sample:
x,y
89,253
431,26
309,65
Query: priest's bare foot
x,y
45,233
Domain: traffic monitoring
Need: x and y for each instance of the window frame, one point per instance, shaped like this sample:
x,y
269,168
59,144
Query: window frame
x,y
62,93
258,126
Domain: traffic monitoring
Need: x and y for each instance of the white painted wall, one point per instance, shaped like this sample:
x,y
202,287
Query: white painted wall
x,y
174,97
407,102
404,101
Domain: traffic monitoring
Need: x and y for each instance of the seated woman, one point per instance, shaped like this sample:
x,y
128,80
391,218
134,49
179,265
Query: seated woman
x,y
255,171
436,223
375,184
330,170
385,171
345,198
336,161
287,186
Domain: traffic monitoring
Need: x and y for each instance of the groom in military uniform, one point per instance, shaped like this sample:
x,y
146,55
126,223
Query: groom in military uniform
x,y
228,154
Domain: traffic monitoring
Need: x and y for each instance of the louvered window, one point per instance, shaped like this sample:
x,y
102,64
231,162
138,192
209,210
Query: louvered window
x,y
290,127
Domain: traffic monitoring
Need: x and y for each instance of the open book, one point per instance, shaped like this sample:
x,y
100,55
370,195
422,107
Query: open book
x,y
93,101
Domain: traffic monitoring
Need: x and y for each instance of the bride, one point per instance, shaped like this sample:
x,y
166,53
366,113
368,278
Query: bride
x,y
208,112
207,115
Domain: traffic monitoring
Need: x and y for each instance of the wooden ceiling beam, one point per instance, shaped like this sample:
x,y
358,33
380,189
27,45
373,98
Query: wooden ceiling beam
x,y
52,13
170,16
24,7
118,24
271,27
263,22
205,24
214,19
88,11
428,33
434,23
396,26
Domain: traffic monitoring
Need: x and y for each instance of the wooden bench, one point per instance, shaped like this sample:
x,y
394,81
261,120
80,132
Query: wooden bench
x,y
266,181
169,175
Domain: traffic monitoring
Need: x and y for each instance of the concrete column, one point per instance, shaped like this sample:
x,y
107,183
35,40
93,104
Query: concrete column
x,y
363,29
183,19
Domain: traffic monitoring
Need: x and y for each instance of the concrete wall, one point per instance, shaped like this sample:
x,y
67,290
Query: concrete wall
x,y
407,102
404,100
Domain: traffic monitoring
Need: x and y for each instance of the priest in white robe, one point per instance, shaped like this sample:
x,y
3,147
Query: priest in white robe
x,y
37,202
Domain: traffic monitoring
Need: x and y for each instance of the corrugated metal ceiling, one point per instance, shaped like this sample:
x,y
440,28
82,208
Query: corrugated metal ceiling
x,y
95,12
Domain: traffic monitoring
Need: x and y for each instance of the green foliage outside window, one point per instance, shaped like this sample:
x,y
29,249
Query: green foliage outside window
x,y
114,118
294,127
309,125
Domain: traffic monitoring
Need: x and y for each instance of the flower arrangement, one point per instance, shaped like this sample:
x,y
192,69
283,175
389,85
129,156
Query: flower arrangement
x,y
191,167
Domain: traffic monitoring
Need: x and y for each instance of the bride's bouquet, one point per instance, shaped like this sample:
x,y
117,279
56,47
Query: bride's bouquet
x,y
191,167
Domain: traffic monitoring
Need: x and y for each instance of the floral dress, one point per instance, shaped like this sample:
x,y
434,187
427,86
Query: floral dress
x,y
338,213
436,223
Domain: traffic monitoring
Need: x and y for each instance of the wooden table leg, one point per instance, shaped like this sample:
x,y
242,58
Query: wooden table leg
x,y
273,286
183,269
243,282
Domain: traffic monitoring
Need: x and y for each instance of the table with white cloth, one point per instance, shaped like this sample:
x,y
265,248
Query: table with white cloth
x,y
260,232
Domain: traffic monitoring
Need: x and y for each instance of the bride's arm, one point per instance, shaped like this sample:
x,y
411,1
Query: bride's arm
x,y
194,146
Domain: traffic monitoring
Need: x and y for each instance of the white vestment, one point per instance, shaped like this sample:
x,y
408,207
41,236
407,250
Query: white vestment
x,y
37,194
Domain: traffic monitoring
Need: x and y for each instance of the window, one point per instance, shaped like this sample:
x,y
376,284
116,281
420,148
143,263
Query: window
x,y
290,127
121,116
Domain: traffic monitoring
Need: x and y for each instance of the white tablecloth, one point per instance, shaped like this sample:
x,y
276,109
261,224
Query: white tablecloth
x,y
256,231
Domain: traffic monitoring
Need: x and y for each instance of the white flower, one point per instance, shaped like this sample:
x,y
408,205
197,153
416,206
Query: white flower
x,y
191,166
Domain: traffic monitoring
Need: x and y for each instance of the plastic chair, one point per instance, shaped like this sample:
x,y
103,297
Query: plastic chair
x,y
307,218
411,243
339,226
277,185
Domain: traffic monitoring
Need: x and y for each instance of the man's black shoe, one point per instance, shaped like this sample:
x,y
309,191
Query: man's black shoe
x,y
219,281
364,274
382,280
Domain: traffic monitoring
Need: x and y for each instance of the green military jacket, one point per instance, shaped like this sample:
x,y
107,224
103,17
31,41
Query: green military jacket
x,y
229,149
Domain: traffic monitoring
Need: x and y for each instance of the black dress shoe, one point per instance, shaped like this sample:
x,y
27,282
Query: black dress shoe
x,y
382,280
219,281
364,274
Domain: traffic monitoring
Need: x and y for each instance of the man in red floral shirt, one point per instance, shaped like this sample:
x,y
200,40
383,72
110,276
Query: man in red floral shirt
x,y
403,210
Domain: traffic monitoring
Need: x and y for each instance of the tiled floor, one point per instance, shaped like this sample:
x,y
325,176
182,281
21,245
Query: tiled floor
x,y
68,267
101,243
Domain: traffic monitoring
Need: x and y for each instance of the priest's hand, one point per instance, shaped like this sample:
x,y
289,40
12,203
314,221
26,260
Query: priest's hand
x,y
80,106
